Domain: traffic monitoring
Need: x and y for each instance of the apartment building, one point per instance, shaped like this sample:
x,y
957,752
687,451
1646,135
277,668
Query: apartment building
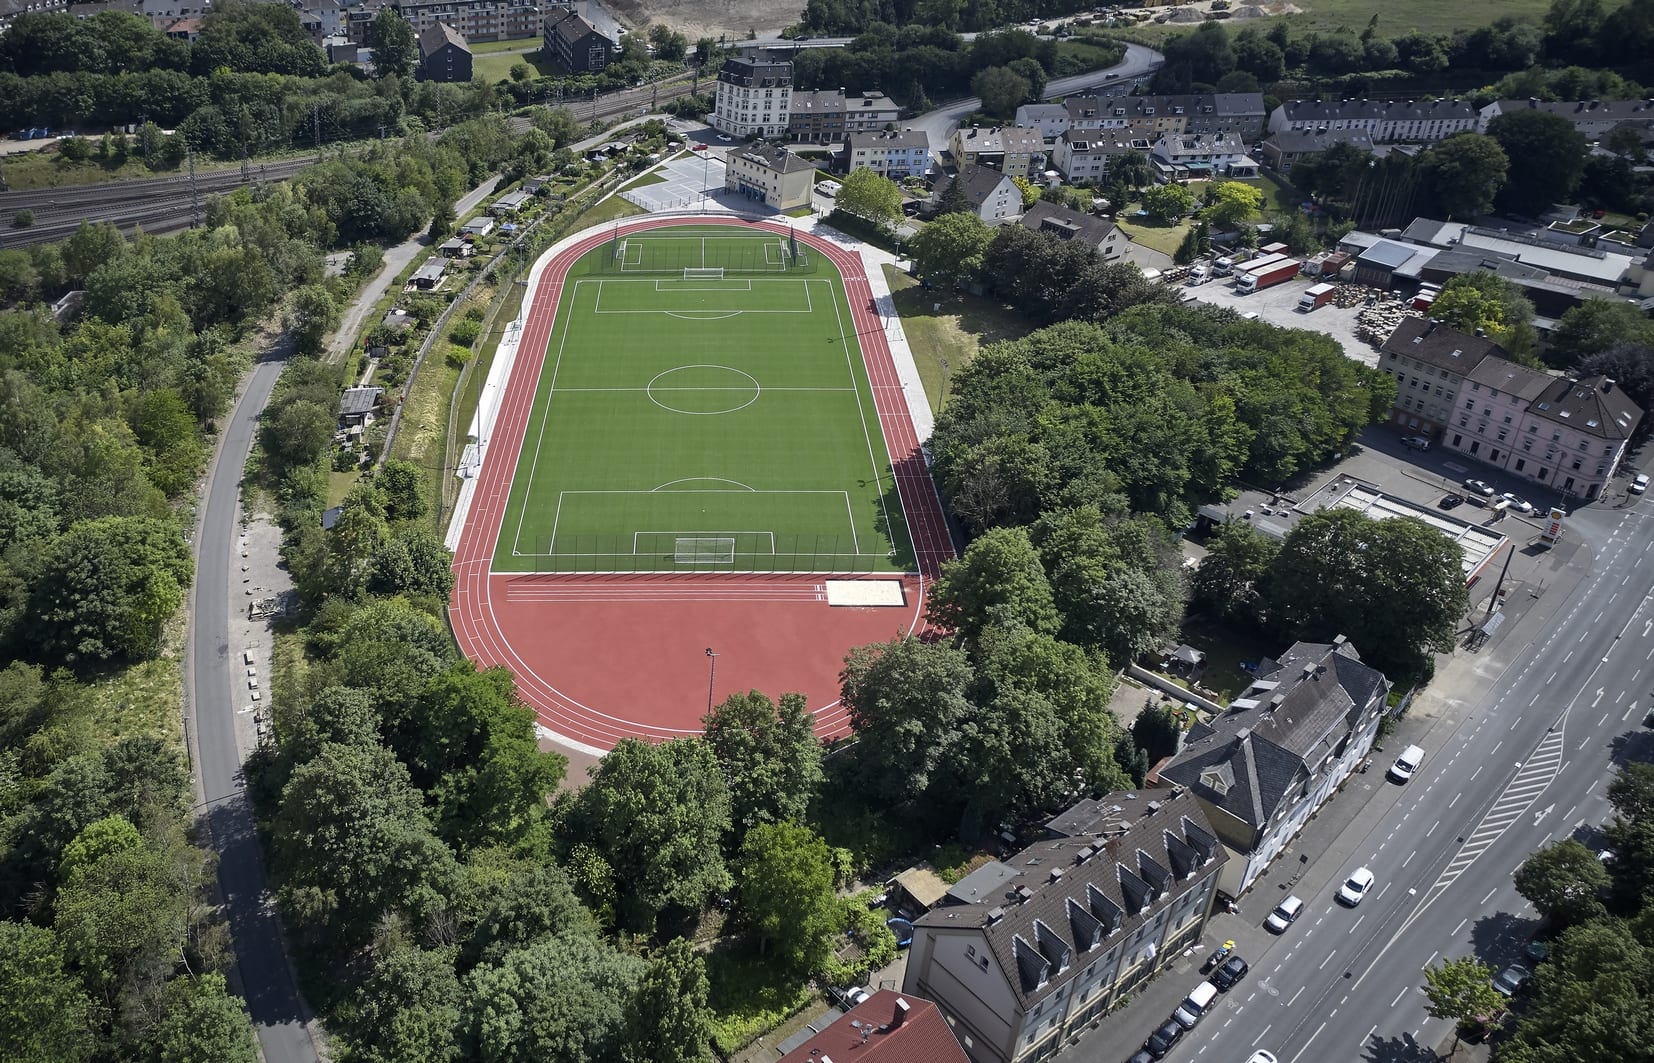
x,y
770,174
1022,955
992,195
575,45
443,55
1012,150
1594,118
1237,114
754,98
1262,769
1430,362
1084,156
475,20
816,117
1385,121
1184,155
868,114
902,153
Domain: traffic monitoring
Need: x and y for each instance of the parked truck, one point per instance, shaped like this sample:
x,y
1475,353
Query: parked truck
x,y
1317,296
1256,263
1258,280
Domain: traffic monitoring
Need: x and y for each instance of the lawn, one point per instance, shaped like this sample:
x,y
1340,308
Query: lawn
x,y
949,336
653,177
497,67
749,998
1167,238
608,210
703,406
514,45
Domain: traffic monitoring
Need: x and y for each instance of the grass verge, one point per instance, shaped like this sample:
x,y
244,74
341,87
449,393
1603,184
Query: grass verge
x,y
952,334
608,210
653,177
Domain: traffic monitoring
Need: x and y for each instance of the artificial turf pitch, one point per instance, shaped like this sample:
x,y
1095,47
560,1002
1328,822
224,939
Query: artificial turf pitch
x,y
696,422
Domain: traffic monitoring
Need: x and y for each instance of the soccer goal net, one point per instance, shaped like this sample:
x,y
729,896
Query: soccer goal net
x,y
710,550
703,273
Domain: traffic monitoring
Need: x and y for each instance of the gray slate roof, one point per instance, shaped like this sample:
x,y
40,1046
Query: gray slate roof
x,y
774,157
436,36
1067,223
977,182
1297,712
1296,142
1596,406
1440,346
1058,897
1389,110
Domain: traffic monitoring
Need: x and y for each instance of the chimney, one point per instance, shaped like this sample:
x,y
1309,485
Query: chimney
x,y
899,1015
1607,384
995,915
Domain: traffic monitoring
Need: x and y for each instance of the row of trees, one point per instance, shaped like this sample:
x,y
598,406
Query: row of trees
x,y
843,17
921,62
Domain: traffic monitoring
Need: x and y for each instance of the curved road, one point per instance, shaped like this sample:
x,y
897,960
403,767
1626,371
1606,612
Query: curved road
x,y
278,1011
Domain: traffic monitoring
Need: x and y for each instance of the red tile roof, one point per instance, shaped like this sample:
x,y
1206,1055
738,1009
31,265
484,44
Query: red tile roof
x,y
921,1035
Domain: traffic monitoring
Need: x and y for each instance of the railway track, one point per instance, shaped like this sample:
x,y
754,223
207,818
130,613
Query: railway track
x,y
164,204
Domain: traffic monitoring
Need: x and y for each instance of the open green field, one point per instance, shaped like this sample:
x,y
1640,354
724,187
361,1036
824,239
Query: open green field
x,y
703,406
1395,17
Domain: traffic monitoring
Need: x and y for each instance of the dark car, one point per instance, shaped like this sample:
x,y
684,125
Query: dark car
x,y
1232,971
1161,1041
1450,501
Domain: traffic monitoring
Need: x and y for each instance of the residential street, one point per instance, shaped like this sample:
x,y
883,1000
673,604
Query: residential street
x,y
1520,739
212,677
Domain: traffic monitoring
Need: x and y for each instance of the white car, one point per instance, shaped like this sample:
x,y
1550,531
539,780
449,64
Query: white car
x,y
1355,887
1516,503
1639,484
1260,1056
1283,915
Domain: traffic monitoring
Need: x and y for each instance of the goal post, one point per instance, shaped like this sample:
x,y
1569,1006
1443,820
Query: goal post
x,y
703,273
704,550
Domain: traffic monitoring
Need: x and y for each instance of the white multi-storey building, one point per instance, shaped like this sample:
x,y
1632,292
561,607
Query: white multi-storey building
x,y
754,98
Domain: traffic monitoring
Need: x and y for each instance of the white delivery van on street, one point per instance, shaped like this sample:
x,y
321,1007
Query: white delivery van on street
x,y
1407,764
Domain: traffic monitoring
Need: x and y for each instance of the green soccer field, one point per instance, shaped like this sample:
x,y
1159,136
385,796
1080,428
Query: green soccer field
x,y
703,406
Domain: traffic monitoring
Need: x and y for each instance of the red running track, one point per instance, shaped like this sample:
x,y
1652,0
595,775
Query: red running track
x,y
605,657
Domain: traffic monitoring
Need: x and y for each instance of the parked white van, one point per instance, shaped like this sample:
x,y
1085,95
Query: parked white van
x,y
1407,764
1194,1007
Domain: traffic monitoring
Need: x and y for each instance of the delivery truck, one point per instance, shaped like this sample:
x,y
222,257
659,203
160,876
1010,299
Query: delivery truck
x,y
1317,296
1258,280
1256,263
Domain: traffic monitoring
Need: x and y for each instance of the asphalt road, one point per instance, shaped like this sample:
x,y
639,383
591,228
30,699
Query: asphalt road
x,y
266,978
1523,759
942,121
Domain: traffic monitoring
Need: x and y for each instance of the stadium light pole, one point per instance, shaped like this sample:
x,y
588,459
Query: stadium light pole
x,y
712,676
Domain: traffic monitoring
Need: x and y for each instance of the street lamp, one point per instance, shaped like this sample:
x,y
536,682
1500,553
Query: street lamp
x,y
712,676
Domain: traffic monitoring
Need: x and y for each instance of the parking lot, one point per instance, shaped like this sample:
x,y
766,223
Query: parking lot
x,y
1279,306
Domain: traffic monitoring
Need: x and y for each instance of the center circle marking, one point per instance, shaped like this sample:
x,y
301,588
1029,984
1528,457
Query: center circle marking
x,y
746,387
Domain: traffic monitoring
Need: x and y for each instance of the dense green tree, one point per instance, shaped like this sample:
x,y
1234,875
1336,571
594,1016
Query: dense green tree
x,y
1552,154
1168,202
310,318
106,588
670,1017
785,881
469,744
1465,172
562,998
397,482
353,549
950,250
45,1014
1155,731
1001,90
659,813
1029,69
907,702
351,844
127,914
1595,326
1591,997
407,1010
1630,834
1563,881
200,1021
1479,300
871,196
1394,587
770,757
395,51
532,905
997,582
1238,557
412,560
1200,57
1459,991
1231,203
